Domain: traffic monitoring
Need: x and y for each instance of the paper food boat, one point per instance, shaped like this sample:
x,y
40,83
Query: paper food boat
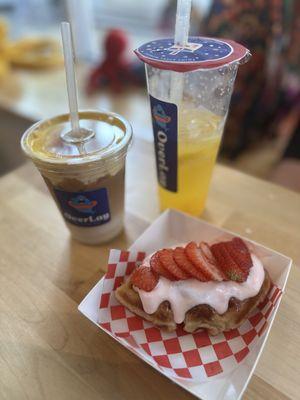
x,y
210,367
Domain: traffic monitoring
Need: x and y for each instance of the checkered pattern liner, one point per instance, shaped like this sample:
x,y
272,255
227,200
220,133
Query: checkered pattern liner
x,y
178,354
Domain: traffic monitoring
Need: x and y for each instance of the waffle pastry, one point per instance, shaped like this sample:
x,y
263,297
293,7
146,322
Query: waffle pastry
x,y
200,316
214,287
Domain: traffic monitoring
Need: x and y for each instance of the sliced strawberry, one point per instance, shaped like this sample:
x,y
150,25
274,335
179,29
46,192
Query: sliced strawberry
x,y
240,245
195,255
144,278
157,266
231,269
168,262
240,253
207,252
185,264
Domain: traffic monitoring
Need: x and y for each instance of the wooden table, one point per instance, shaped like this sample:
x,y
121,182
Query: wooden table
x,y
50,351
23,94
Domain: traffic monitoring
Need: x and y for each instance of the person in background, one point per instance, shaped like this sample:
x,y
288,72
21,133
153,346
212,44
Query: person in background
x,y
287,118
258,25
266,94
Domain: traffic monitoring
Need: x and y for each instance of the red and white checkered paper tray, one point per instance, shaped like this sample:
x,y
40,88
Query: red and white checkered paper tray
x,y
212,367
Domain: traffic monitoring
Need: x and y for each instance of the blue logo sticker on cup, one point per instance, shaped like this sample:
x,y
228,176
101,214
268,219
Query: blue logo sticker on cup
x,y
164,121
90,208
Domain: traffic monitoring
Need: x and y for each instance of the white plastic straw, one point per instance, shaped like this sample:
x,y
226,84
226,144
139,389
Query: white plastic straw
x,y
70,75
182,27
182,24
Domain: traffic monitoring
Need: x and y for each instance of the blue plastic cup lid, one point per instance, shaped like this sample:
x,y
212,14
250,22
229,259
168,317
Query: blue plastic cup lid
x,y
198,53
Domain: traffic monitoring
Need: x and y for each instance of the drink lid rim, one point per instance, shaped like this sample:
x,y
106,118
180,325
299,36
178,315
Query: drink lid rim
x,y
115,149
239,54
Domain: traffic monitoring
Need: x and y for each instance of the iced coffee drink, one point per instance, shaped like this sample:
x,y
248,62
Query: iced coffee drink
x,y
86,179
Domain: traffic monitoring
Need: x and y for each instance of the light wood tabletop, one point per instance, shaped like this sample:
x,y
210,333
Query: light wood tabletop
x,y
37,95
48,350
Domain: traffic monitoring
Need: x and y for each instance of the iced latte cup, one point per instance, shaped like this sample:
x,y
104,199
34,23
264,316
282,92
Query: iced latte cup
x,y
86,178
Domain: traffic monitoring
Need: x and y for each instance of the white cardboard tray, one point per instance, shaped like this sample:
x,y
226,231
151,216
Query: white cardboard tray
x,y
173,227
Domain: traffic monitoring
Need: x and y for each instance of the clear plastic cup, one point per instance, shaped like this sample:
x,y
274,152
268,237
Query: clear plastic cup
x,y
190,90
86,182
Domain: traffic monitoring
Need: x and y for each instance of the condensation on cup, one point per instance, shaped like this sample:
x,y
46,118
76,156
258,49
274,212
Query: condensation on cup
x,y
87,183
190,89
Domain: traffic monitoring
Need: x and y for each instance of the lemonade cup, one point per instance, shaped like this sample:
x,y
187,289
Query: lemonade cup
x,y
190,89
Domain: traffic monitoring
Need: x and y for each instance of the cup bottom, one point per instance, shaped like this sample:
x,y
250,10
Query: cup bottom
x,y
192,203
96,234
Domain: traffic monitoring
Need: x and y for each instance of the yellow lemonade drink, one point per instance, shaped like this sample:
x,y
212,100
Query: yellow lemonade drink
x,y
199,135
190,86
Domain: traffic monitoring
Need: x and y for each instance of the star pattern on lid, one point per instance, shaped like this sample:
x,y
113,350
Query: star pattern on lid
x,y
197,49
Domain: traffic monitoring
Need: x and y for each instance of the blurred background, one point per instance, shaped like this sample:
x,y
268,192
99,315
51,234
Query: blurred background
x,y
262,135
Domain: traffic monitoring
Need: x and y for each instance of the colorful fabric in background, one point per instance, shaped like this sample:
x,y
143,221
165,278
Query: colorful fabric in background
x,y
290,87
268,28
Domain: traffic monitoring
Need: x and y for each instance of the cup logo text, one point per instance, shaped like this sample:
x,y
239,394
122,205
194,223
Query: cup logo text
x,y
164,119
85,208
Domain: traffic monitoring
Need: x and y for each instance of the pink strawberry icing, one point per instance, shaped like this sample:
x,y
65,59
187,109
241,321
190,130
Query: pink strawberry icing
x,y
186,294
